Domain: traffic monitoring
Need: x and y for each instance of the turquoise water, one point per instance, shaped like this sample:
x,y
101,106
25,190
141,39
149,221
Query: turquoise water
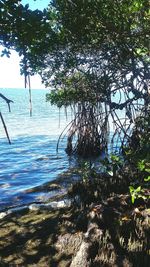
x,y
31,159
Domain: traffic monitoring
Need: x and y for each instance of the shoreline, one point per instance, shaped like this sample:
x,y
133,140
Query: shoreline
x,y
58,189
65,236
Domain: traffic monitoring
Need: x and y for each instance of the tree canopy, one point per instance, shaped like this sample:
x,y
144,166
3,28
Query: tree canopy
x,y
28,32
106,44
94,53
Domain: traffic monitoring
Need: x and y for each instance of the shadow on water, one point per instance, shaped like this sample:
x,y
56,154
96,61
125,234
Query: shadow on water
x,y
30,166
29,162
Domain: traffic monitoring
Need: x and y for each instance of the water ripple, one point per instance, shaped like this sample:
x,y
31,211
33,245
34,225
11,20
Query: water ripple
x,y
31,159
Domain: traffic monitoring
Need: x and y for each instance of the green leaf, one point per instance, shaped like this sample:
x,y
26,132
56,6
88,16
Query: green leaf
x,y
141,165
147,179
115,158
131,188
138,189
132,199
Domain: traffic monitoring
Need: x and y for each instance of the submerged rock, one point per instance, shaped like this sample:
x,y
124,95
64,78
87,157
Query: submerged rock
x,y
4,214
51,205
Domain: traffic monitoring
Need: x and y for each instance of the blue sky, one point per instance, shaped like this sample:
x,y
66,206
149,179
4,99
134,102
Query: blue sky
x,y
38,4
9,67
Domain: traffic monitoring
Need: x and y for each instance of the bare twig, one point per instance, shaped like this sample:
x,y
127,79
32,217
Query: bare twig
x,y
8,101
5,128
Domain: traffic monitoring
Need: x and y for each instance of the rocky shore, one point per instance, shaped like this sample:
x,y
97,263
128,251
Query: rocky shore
x,y
104,234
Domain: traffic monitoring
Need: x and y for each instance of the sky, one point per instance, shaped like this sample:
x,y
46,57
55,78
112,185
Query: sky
x,y
9,67
36,4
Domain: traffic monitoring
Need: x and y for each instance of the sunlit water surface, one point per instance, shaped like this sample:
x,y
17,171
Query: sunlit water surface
x,y
31,160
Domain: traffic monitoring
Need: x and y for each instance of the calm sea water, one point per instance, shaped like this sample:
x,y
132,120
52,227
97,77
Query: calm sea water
x,y
31,159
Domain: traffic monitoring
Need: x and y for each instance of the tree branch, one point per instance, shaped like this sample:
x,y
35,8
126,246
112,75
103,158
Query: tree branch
x,y
8,101
5,128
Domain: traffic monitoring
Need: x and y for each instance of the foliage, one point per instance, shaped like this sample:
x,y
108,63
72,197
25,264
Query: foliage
x,y
106,44
88,171
95,54
137,155
112,164
76,89
28,32
89,126
138,149
137,193
94,31
135,161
